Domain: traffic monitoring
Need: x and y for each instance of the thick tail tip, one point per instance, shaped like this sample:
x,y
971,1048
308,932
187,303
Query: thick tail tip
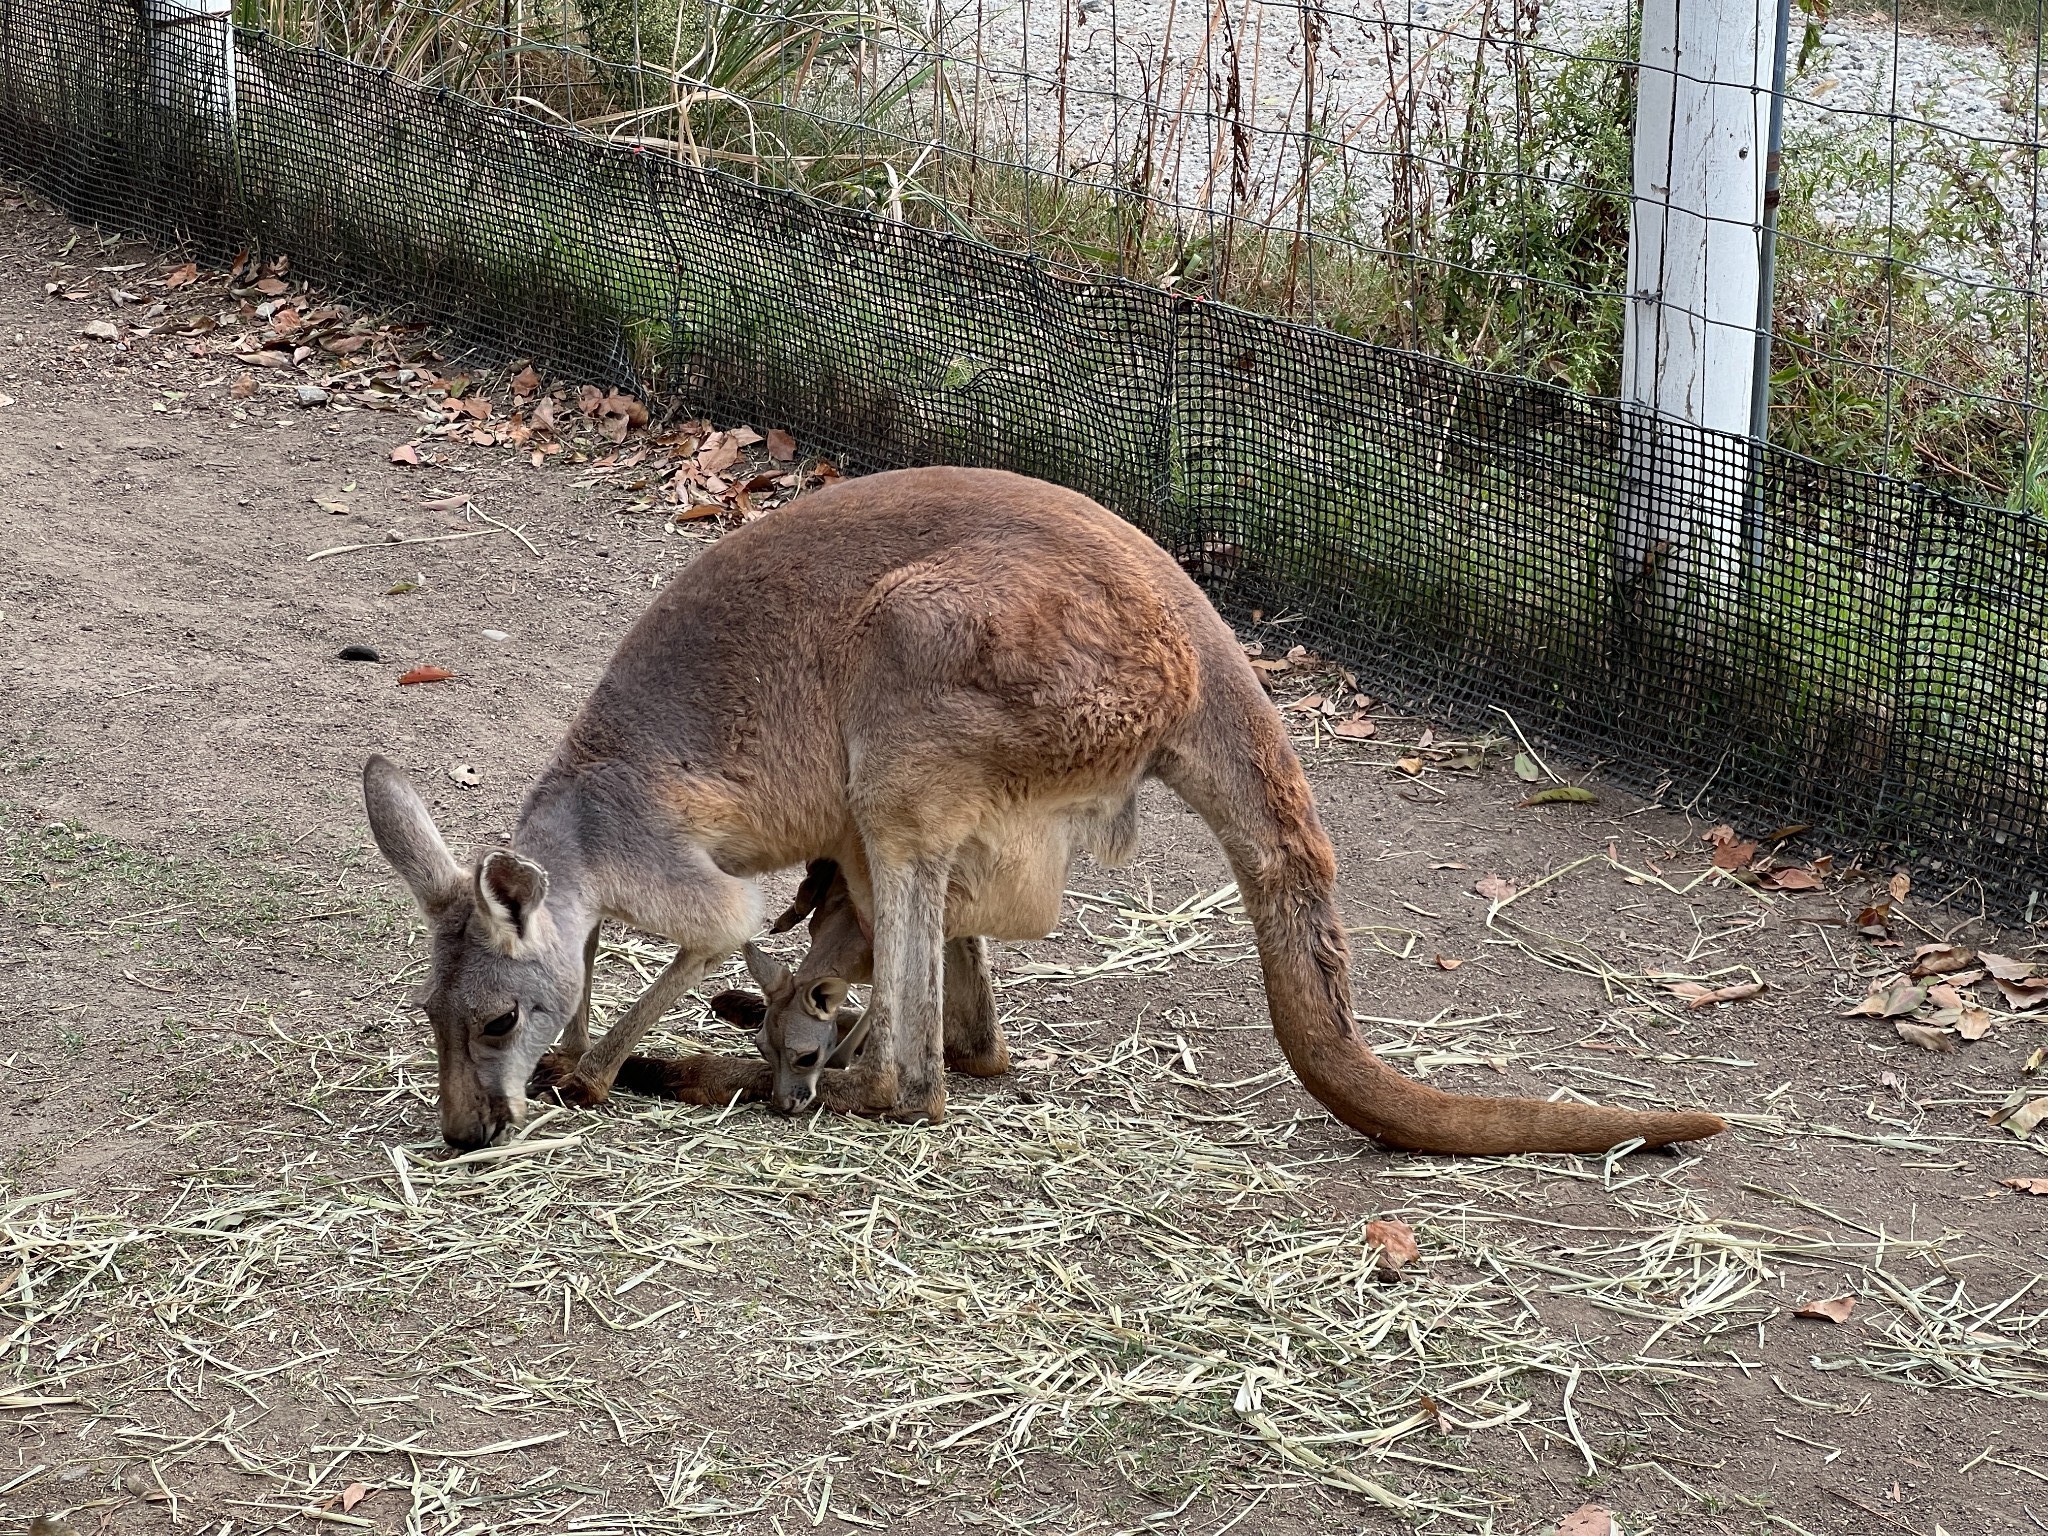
x,y
1665,1127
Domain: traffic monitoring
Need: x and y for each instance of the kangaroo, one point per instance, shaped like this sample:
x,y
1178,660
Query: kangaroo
x,y
943,680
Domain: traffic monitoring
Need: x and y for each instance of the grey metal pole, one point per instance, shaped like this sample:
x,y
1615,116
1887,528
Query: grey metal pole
x,y
1760,388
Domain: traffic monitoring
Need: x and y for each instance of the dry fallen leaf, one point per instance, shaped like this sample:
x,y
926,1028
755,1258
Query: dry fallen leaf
x,y
1395,1242
1900,886
426,675
182,277
1357,728
525,382
1446,963
1588,1520
1733,855
1410,766
1526,768
1836,1310
1938,1040
718,454
1889,999
2022,1119
2023,995
1875,921
1493,888
1974,1024
1307,703
1790,879
405,453
781,446
2026,1186
2004,968
1560,794
1940,959
1740,991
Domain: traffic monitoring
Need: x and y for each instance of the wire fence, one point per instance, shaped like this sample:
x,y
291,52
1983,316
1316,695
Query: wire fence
x,y
1332,302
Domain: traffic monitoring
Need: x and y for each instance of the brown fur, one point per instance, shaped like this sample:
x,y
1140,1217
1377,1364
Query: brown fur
x,y
947,681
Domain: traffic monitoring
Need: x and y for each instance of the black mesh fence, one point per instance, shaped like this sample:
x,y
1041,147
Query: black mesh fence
x,y
1781,641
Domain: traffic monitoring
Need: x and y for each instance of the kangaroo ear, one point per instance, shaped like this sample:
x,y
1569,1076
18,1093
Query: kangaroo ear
x,y
818,877
509,890
852,1025
407,837
741,1008
769,973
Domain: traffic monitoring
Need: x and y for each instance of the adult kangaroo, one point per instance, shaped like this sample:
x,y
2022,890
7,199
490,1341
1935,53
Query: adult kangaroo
x,y
945,680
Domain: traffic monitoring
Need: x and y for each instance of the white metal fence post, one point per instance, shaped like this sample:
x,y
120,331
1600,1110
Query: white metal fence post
x,y
1702,112
192,60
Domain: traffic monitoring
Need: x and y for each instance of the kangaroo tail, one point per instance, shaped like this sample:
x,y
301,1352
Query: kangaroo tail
x,y
1236,767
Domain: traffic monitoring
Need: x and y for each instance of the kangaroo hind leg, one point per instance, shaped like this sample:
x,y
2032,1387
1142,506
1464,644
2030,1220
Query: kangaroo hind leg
x,y
974,1035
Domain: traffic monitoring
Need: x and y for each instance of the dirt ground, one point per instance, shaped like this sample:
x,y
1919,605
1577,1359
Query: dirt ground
x,y
1128,1288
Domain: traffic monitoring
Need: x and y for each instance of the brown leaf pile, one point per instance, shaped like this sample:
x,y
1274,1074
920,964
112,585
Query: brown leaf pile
x,y
1932,1002
1338,707
283,335
1740,858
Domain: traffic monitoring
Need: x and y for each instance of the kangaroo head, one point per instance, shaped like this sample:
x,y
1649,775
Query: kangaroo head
x,y
800,1026
505,977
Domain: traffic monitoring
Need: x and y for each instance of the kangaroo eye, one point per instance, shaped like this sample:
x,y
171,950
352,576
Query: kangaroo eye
x,y
503,1024
808,1060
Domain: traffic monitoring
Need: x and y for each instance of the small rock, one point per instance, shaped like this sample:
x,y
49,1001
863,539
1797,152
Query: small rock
x,y
496,634
358,653
393,536
99,330
310,394
465,775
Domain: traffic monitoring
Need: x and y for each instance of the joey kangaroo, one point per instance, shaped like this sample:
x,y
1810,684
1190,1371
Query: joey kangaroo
x,y
802,1026
946,681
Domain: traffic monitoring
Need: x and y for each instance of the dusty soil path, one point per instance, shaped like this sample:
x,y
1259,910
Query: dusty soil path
x,y
1129,1288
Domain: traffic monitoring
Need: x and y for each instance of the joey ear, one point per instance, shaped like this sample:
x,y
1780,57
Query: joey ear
x,y
510,890
769,973
741,1008
852,1026
407,837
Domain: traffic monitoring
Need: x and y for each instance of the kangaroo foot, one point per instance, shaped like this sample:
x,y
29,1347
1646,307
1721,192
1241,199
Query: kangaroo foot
x,y
701,1079
881,1096
991,1060
555,1076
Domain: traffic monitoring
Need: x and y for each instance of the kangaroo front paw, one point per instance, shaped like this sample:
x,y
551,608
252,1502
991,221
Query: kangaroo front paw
x,y
556,1077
